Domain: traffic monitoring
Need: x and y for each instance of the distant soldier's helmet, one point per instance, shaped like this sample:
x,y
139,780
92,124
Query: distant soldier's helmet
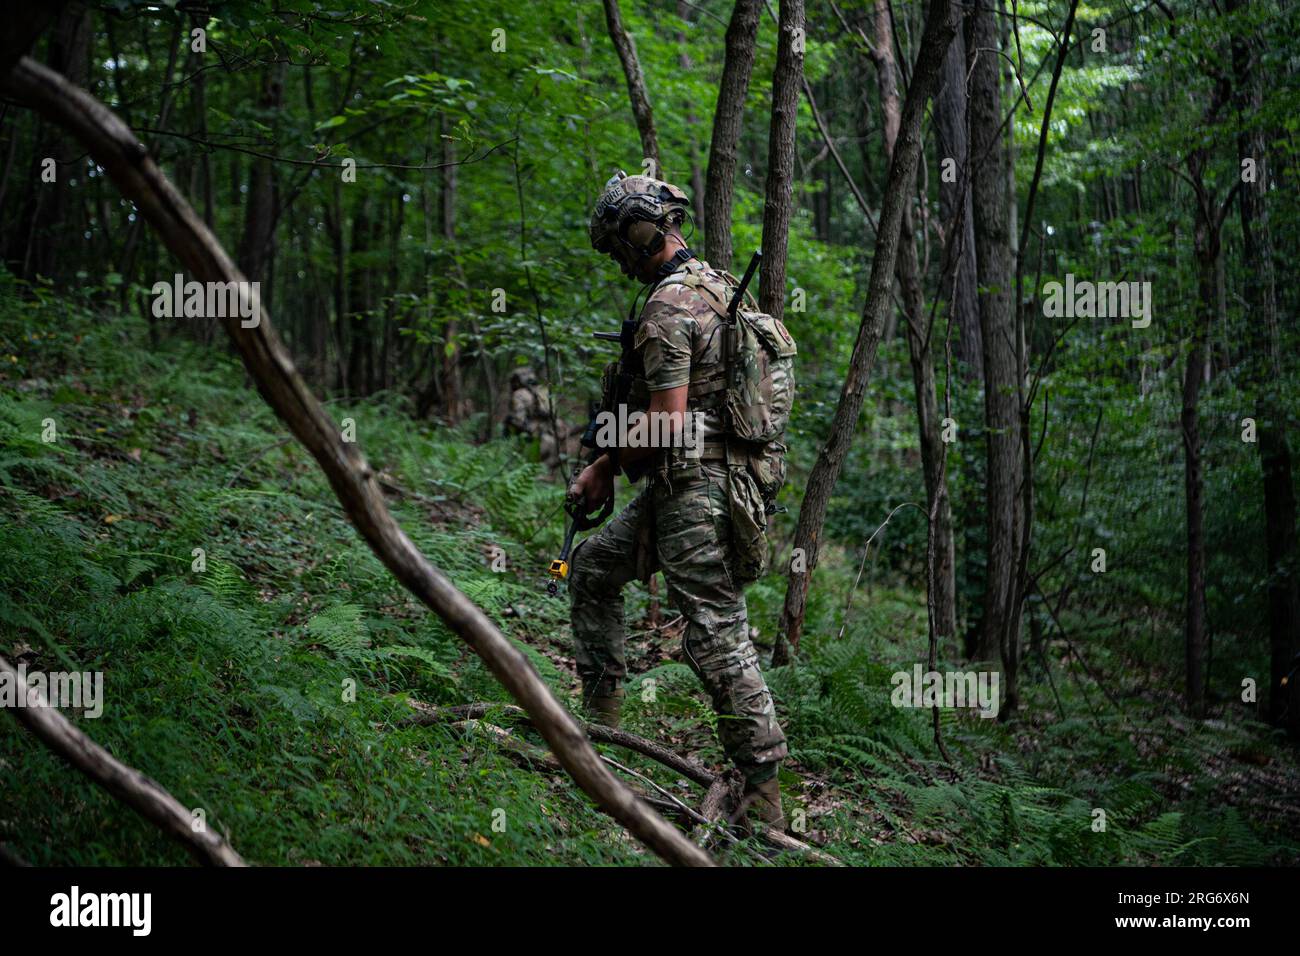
x,y
523,377
633,214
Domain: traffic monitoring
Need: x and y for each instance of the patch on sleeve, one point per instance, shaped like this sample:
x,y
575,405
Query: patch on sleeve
x,y
664,340
644,332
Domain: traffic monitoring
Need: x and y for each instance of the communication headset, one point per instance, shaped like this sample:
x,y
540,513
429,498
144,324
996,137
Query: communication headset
x,y
640,221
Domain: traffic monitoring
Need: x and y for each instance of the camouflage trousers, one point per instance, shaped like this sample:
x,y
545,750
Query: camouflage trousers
x,y
684,529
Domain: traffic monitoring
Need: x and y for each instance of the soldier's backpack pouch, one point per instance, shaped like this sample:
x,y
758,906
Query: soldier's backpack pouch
x,y
748,527
767,465
761,390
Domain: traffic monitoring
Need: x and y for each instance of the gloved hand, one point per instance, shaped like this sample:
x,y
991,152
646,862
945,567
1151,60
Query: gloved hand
x,y
593,487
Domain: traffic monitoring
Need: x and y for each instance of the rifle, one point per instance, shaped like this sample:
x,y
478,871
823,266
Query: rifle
x,y
559,569
616,390
616,384
734,306
731,337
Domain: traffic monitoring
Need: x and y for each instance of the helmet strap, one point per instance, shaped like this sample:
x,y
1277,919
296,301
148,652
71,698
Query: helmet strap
x,y
681,256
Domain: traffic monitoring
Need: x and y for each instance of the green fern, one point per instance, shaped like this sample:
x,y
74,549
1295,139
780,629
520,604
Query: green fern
x,y
225,581
435,666
341,628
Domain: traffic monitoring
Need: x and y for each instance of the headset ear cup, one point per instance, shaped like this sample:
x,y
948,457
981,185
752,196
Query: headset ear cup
x,y
646,236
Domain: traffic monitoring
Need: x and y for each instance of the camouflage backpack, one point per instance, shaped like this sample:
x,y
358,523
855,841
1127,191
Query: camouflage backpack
x,y
758,359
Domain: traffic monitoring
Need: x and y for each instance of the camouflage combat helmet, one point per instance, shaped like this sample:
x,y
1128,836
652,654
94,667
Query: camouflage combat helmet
x,y
632,214
523,377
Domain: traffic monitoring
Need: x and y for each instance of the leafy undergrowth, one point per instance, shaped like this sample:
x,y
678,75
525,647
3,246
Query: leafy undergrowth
x,y
263,677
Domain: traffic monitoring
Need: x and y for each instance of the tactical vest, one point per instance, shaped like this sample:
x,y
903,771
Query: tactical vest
x,y
750,388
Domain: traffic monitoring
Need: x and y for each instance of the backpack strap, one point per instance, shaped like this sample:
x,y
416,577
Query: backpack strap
x,y
712,292
702,393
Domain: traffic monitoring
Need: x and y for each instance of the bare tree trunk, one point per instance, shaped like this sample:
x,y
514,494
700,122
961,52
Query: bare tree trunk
x,y
940,25
738,64
787,81
1010,638
200,87
431,391
135,230
259,213
387,359
1275,454
334,225
1266,374
358,319
958,288
1206,247
625,46
450,354
953,143
692,121
943,585
10,155
989,205
128,164
34,244
1195,634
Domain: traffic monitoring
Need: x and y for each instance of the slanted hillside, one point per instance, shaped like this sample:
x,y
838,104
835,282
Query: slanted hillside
x,y
278,688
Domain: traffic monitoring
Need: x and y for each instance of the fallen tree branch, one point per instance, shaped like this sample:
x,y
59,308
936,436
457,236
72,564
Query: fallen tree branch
x,y
666,808
392,487
128,164
520,751
530,757
127,784
784,841
688,768
716,810
256,456
720,808
695,815
714,806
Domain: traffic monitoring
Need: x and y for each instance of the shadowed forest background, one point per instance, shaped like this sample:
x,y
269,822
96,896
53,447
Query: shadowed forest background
x,y
1097,506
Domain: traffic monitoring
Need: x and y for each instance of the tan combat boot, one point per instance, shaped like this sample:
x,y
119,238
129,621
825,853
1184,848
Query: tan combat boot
x,y
605,710
603,703
763,801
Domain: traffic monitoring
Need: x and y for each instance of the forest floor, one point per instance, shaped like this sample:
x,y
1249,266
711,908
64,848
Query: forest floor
x,y
227,672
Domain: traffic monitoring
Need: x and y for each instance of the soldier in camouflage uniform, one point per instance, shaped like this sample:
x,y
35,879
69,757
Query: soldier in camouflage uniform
x,y
529,414
682,521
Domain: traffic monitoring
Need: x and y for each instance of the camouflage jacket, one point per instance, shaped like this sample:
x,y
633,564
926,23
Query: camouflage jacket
x,y
528,409
680,340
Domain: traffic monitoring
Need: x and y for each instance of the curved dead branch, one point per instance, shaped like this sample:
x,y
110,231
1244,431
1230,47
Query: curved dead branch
x,y
721,796
688,768
128,163
127,784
